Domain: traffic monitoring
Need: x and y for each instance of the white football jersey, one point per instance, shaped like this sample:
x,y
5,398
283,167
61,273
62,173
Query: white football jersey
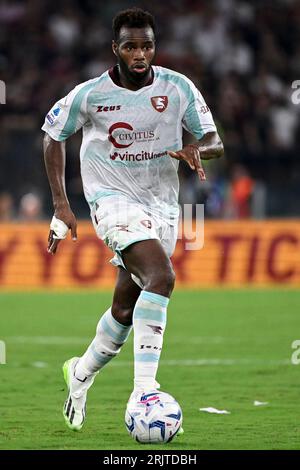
x,y
126,135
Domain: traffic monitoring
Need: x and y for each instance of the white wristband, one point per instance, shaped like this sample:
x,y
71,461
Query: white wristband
x,y
59,228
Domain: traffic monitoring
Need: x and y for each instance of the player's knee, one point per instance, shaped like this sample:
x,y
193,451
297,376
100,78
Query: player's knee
x,y
170,281
121,313
161,282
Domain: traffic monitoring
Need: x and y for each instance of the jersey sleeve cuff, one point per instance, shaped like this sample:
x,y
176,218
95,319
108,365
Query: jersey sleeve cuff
x,y
53,135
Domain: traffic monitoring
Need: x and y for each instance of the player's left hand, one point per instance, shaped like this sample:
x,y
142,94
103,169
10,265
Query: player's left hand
x,y
191,155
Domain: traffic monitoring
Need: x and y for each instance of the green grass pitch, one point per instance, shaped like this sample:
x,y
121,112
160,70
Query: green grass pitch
x,y
222,348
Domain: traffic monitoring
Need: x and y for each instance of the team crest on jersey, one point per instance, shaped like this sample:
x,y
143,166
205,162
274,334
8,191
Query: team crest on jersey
x,y
160,103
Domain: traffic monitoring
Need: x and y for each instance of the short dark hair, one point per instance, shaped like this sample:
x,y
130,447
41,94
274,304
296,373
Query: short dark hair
x,y
133,18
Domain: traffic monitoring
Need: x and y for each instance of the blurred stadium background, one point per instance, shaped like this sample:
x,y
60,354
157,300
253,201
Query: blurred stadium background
x,y
244,56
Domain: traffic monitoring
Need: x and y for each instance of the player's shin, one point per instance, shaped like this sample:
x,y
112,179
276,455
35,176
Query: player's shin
x,y
149,322
110,337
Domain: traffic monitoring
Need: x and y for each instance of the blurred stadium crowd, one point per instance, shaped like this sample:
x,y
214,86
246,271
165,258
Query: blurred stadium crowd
x,y
243,56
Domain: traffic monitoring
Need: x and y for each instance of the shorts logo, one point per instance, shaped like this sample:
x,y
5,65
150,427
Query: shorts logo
x,y
146,223
159,103
123,227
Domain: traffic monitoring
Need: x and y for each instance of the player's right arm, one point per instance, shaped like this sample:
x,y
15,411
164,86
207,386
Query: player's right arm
x,y
55,158
65,118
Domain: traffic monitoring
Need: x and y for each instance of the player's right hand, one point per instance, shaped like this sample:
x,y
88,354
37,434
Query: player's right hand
x,y
62,221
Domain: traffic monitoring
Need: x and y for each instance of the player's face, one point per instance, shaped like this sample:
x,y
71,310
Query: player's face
x,y
135,50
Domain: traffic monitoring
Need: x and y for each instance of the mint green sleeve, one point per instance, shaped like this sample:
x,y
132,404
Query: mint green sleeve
x,y
68,115
197,118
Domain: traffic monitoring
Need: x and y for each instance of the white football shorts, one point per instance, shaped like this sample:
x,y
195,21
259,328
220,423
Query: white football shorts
x,y
120,222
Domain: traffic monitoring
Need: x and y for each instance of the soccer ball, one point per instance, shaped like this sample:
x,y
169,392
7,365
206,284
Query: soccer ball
x,y
153,417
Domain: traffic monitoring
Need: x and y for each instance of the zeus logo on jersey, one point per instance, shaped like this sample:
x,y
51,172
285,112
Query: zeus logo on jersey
x,y
53,114
101,109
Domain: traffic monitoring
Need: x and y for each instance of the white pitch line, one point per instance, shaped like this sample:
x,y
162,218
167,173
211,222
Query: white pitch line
x,y
182,363
71,340
39,364
54,340
61,340
212,362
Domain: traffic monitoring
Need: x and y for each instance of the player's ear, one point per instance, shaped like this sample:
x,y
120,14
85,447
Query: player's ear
x,y
114,46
